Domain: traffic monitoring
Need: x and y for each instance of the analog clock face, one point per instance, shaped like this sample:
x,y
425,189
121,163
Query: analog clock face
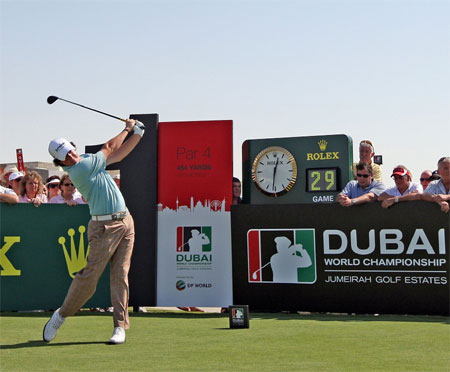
x,y
274,171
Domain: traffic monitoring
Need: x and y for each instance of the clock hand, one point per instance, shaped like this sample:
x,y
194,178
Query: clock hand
x,y
274,172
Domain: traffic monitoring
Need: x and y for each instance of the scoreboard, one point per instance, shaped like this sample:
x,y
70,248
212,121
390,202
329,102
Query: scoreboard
x,y
296,169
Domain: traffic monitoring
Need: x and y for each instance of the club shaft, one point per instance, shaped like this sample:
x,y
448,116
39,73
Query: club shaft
x,y
100,112
256,272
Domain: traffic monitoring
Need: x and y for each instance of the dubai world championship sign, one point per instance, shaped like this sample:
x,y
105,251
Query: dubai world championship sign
x,y
194,227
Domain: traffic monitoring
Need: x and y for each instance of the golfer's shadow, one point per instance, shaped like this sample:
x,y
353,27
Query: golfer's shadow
x,y
40,343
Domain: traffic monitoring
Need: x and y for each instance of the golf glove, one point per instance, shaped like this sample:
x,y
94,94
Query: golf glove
x,y
139,128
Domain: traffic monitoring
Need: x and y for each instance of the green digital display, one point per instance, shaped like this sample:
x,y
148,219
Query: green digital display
x,y
321,179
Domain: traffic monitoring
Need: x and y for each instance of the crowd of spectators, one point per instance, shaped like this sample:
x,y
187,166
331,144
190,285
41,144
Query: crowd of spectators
x,y
18,187
368,187
28,187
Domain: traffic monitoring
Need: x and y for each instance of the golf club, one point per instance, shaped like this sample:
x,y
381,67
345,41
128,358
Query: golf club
x,y
52,99
254,276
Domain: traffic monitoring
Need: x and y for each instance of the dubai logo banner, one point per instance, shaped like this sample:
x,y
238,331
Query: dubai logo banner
x,y
281,256
194,246
194,239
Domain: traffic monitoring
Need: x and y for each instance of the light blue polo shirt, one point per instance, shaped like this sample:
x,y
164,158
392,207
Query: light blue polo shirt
x,y
354,190
436,187
98,188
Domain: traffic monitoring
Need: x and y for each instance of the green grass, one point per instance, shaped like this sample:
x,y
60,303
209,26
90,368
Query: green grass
x,y
175,341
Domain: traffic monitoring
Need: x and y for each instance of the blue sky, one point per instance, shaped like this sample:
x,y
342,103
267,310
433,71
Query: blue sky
x,y
375,70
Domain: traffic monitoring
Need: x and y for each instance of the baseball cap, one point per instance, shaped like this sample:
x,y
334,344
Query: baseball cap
x,y
401,172
15,175
7,171
58,148
435,176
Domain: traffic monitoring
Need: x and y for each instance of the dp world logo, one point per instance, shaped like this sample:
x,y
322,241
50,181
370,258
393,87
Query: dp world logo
x,y
281,256
181,285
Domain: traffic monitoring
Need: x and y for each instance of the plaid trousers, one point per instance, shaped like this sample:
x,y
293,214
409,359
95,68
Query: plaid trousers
x,y
110,241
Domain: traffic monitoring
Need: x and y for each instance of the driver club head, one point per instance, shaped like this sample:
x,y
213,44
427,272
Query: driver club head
x,y
51,99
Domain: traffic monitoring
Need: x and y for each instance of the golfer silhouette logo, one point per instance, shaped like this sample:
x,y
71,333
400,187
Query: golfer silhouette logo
x,y
288,259
197,241
238,313
281,256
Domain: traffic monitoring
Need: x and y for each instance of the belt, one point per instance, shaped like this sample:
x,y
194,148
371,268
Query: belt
x,y
118,216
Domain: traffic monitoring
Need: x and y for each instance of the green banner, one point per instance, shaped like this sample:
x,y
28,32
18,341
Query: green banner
x,y
41,250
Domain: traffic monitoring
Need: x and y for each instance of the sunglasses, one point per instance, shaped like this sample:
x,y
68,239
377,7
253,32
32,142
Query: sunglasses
x,y
367,142
68,184
52,186
425,179
363,175
18,179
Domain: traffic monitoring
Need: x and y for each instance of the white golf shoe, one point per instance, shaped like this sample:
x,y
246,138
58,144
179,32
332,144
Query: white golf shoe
x,y
52,326
118,336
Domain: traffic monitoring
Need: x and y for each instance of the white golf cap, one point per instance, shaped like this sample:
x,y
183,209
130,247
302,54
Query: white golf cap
x,y
54,180
58,148
15,175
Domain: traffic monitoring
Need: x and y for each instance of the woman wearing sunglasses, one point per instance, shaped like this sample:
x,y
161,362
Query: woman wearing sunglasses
x,y
52,185
68,193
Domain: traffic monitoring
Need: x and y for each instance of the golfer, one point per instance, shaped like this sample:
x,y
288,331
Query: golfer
x,y
110,231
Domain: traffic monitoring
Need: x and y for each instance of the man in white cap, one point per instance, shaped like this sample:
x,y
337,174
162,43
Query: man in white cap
x,y
4,176
110,231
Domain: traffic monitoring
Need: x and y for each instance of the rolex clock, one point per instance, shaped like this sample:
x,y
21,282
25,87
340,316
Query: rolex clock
x,y
274,171
296,169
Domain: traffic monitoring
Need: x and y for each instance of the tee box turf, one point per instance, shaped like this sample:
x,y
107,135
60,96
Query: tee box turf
x,y
238,315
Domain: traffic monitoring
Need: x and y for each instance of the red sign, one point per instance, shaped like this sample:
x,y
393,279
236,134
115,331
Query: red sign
x,y
20,165
195,164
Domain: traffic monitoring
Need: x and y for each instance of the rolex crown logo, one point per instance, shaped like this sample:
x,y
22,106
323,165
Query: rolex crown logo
x,y
76,260
322,144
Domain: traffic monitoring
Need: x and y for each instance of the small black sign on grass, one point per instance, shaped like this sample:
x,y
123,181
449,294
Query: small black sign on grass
x,y
238,315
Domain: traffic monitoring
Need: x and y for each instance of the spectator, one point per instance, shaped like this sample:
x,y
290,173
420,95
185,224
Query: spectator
x,y
4,176
236,191
364,190
14,181
52,185
366,153
67,194
404,189
425,178
438,191
32,189
8,196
